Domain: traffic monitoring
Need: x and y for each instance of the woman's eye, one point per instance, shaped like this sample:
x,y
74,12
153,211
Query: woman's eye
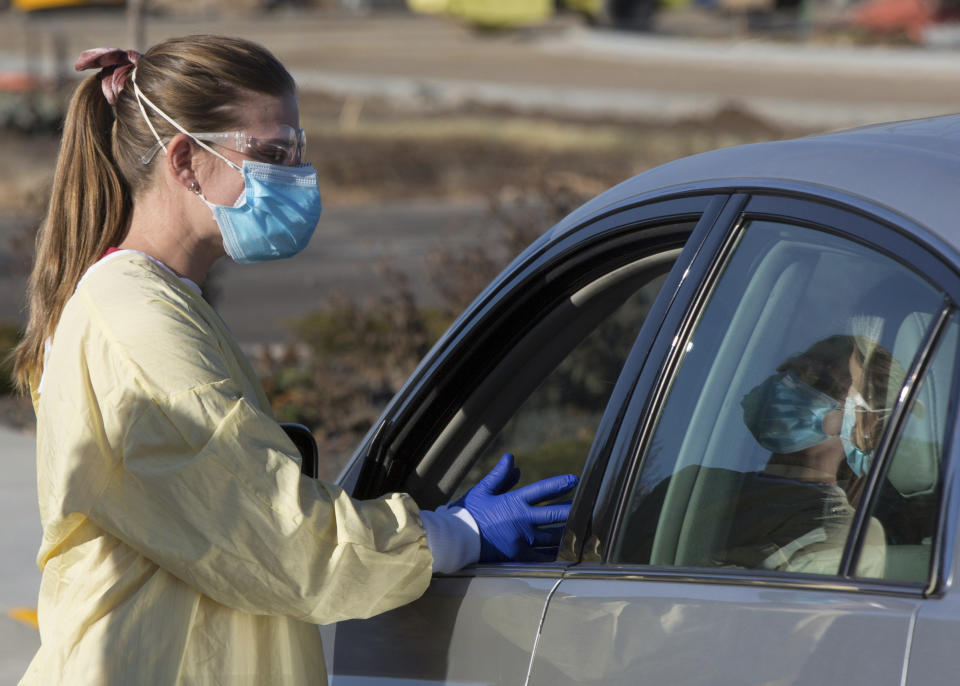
x,y
273,154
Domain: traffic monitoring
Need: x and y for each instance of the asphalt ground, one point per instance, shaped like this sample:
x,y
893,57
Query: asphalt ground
x,y
19,542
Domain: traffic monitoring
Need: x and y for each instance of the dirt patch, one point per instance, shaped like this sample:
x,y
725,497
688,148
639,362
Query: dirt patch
x,y
367,152
368,149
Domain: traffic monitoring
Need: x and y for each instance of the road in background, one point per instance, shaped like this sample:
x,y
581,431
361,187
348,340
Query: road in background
x,y
561,66
258,301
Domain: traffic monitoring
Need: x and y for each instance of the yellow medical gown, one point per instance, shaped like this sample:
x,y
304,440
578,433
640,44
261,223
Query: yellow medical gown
x,y
181,545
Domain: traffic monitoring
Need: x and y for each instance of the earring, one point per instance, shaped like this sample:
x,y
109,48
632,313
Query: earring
x,y
193,188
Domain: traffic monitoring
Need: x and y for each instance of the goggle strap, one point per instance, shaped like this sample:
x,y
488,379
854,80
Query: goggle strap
x,y
140,95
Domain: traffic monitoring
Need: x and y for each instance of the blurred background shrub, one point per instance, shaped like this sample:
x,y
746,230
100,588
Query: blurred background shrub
x,y
9,336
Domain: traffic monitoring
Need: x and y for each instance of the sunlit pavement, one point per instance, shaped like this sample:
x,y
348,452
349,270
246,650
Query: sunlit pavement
x,y
19,541
18,643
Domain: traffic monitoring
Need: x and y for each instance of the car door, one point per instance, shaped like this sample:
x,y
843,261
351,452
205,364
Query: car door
x,y
714,554
529,368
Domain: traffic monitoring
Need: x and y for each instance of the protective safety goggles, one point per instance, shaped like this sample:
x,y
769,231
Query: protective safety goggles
x,y
287,146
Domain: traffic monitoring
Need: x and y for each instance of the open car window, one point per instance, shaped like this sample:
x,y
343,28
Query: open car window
x,y
781,396
551,431
534,374
544,398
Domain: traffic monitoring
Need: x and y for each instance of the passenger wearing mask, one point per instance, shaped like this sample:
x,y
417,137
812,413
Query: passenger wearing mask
x,y
821,415
181,543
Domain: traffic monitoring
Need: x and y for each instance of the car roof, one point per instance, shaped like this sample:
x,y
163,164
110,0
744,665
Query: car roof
x,y
910,167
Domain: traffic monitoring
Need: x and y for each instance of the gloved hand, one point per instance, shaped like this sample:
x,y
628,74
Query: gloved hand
x,y
508,521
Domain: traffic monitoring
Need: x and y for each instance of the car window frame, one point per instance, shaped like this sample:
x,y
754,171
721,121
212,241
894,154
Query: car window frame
x,y
419,395
593,504
879,230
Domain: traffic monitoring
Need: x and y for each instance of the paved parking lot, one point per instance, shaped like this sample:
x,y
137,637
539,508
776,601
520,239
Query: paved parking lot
x,y
19,541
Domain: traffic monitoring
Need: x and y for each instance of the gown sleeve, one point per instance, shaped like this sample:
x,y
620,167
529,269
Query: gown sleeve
x,y
168,452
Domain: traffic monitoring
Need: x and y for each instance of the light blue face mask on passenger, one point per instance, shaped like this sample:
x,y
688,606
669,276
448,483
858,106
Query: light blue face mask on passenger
x,y
785,414
858,460
274,217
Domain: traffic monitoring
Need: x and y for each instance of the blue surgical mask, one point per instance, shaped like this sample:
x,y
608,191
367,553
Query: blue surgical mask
x,y
858,460
274,217
276,213
785,414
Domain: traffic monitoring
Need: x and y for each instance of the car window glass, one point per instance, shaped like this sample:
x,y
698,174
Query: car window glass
x,y
779,398
551,432
906,505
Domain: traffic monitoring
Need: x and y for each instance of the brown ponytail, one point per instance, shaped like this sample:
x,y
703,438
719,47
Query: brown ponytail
x,y
88,211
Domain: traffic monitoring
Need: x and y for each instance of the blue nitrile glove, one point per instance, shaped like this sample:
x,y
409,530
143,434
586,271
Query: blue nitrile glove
x,y
509,522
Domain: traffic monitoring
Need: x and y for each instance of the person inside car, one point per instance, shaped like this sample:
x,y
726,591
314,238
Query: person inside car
x,y
821,415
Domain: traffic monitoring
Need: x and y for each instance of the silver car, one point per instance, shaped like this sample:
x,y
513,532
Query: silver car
x,y
750,358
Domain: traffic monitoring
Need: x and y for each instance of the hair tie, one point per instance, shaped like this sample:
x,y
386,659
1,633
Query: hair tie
x,y
114,64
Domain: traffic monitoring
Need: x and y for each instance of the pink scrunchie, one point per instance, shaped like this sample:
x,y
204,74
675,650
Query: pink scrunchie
x,y
114,64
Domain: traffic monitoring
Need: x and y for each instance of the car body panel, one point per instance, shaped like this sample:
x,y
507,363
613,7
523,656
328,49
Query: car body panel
x,y
622,631
476,629
933,646
897,166
890,187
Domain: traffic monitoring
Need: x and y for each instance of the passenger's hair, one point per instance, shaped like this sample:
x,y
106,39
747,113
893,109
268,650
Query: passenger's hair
x,y
196,80
825,367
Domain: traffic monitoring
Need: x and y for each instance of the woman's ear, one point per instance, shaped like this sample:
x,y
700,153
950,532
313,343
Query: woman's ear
x,y
180,160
